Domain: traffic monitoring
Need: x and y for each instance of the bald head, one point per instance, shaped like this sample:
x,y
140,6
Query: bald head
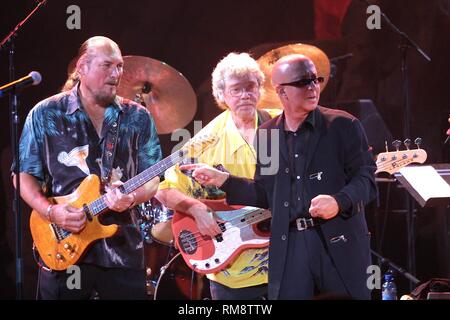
x,y
291,68
98,41
294,78
92,46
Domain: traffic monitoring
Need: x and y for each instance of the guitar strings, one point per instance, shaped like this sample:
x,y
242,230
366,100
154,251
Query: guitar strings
x,y
240,226
388,163
203,240
200,239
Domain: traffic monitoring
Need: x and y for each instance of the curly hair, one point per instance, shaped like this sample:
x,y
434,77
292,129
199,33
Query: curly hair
x,y
234,64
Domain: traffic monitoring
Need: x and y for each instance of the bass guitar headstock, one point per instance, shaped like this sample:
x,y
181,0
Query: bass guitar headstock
x,y
392,161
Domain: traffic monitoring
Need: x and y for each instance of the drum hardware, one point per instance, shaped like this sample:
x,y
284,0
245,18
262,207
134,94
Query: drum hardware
x,y
155,222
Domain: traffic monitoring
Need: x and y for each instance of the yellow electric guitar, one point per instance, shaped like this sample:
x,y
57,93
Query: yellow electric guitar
x,y
391,162
60,248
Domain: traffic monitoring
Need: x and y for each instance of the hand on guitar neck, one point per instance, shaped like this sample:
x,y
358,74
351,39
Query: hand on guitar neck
x,y
118,201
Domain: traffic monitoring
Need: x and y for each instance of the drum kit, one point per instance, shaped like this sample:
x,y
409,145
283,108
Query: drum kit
x,y
169,97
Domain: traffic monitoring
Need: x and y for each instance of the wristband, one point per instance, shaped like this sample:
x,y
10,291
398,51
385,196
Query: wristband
x,y
48,214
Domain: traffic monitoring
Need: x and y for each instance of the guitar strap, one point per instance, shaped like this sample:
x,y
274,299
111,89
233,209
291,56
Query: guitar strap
x,y
109,150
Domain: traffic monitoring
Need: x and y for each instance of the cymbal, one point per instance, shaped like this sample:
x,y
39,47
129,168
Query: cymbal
x,y
266,61
164,91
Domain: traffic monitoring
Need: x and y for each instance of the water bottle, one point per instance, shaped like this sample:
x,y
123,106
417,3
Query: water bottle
x,y
388,289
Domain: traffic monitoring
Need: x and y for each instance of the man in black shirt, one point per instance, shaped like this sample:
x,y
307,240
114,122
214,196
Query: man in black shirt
x,y
319,238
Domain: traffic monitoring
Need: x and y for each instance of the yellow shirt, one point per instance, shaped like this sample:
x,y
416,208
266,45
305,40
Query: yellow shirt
x,y
239,158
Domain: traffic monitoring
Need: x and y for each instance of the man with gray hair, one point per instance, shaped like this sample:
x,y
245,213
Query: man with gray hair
x,y
237,85
66,138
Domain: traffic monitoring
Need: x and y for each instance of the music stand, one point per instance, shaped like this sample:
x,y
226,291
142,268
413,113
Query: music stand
x,y
429,189
425,185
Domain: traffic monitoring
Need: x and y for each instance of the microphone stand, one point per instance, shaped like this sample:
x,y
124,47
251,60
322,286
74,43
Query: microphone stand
x,y
8,41
392,265
406,43
334,71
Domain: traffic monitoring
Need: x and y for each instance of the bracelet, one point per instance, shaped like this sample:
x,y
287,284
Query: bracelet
x,y
48,214
133,204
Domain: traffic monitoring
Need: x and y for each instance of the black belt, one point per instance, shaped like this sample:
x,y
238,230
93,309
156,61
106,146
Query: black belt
x,y
301,224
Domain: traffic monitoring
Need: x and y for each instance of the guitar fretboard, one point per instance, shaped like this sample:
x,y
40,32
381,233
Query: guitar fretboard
x,y
254,216
99,205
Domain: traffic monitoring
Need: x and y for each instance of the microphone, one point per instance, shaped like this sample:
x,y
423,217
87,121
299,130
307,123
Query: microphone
x,y
34,78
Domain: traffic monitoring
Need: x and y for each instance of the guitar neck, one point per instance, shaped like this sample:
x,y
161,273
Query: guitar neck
x,y
148,174
99,205
252,217
392,162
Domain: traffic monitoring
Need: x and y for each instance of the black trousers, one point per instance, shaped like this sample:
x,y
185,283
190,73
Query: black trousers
x,y
107,283
309,271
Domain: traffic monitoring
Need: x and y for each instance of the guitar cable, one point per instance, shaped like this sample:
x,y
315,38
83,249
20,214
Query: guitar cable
x,y
162,271
37,285
40,268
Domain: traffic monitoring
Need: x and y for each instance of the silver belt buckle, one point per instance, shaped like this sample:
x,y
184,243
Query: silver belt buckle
x,y
303,226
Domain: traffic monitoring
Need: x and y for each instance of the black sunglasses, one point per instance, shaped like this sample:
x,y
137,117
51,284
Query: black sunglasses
x,y
304,82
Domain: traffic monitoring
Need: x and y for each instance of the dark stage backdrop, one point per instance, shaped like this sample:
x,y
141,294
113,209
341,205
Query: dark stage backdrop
x,y
191,36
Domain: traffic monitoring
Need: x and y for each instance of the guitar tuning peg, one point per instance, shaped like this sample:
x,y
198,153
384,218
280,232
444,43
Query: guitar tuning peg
x,y
386,145
396,144
407,143
418,142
